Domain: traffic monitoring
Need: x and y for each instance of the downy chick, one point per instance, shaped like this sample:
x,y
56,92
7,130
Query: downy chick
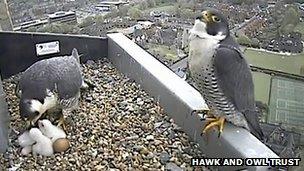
x,y
25,139
50,130
43,144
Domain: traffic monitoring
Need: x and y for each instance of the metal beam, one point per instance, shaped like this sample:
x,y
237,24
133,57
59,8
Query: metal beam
x,y
18,49
179,99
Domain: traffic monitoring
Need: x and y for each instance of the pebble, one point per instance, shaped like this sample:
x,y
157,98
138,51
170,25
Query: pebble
x,y
164,157
173,167
150,137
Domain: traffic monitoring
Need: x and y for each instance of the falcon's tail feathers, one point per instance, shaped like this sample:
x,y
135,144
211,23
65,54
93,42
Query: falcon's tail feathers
x,y
253,123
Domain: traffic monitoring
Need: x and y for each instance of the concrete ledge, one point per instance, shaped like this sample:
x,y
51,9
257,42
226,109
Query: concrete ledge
x,y
179,99
4,120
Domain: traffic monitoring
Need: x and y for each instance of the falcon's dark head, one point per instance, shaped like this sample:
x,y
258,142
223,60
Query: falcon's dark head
x,y
29,108
211,22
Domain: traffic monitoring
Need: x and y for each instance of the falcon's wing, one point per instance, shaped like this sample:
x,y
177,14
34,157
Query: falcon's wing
x,y
235,79
69,78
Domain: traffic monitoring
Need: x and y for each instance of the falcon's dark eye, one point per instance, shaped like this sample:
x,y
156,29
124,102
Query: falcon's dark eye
x,y
216,19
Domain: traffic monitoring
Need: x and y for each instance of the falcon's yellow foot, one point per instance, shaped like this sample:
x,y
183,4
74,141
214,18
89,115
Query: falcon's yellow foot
x,y
211,122
62,123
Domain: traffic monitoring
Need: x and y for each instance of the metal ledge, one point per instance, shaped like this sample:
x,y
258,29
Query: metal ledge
x,y
18,50
179,99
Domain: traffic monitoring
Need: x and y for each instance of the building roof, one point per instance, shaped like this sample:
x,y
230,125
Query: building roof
x,y
60,13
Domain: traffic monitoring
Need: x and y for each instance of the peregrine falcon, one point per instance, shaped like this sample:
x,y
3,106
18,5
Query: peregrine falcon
x,y
50,84
221,74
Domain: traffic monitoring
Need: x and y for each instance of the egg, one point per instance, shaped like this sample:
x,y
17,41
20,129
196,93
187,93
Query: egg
x,y
61,145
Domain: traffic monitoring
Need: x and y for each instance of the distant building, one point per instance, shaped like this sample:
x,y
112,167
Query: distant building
x,y
30,24
63,17
108,5
103,8
291,43
146,24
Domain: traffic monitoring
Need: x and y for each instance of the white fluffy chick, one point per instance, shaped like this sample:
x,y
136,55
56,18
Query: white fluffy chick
x,y
26,150
50,130
43,146
25,140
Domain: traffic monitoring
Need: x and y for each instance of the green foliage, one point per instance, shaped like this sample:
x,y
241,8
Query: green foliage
x,y
244,40
113,14
87,22
151,3
99,19
122,11
287,29
239,2
135,13
59,28
255,42
32,29
291,20
143,5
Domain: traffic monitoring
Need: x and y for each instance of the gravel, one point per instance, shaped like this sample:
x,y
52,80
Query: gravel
x,y
116,127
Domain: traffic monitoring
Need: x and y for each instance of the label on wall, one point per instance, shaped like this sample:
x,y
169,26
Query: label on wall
x,y
47,48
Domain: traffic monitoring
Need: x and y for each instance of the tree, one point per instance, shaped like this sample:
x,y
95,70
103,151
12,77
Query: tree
x,y
113,14
99,20
87,22
135,13
177,10
59,28
151,3
143,5
255,42
291,20
122,11
244,40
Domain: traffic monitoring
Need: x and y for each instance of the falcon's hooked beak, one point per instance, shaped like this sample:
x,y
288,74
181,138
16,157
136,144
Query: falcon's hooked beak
x,y
205,16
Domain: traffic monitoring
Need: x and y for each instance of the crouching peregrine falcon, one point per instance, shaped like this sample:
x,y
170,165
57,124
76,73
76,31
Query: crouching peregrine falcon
x,y
50,84
222,74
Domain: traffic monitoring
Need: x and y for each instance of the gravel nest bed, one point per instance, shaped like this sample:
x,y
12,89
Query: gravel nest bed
x,y
116,127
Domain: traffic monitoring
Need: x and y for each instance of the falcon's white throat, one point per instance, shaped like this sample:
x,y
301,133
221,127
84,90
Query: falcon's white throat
x,y
50,101
199,31
202,46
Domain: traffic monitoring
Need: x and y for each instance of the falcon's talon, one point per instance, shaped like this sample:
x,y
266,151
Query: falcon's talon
x,y
62,123
215,122
28,124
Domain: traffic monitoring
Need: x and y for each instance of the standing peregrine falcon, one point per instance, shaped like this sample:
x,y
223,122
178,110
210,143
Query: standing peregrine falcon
x,y
222,74
50,84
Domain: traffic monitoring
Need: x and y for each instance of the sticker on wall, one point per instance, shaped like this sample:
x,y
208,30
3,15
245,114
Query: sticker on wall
x,y
47,48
